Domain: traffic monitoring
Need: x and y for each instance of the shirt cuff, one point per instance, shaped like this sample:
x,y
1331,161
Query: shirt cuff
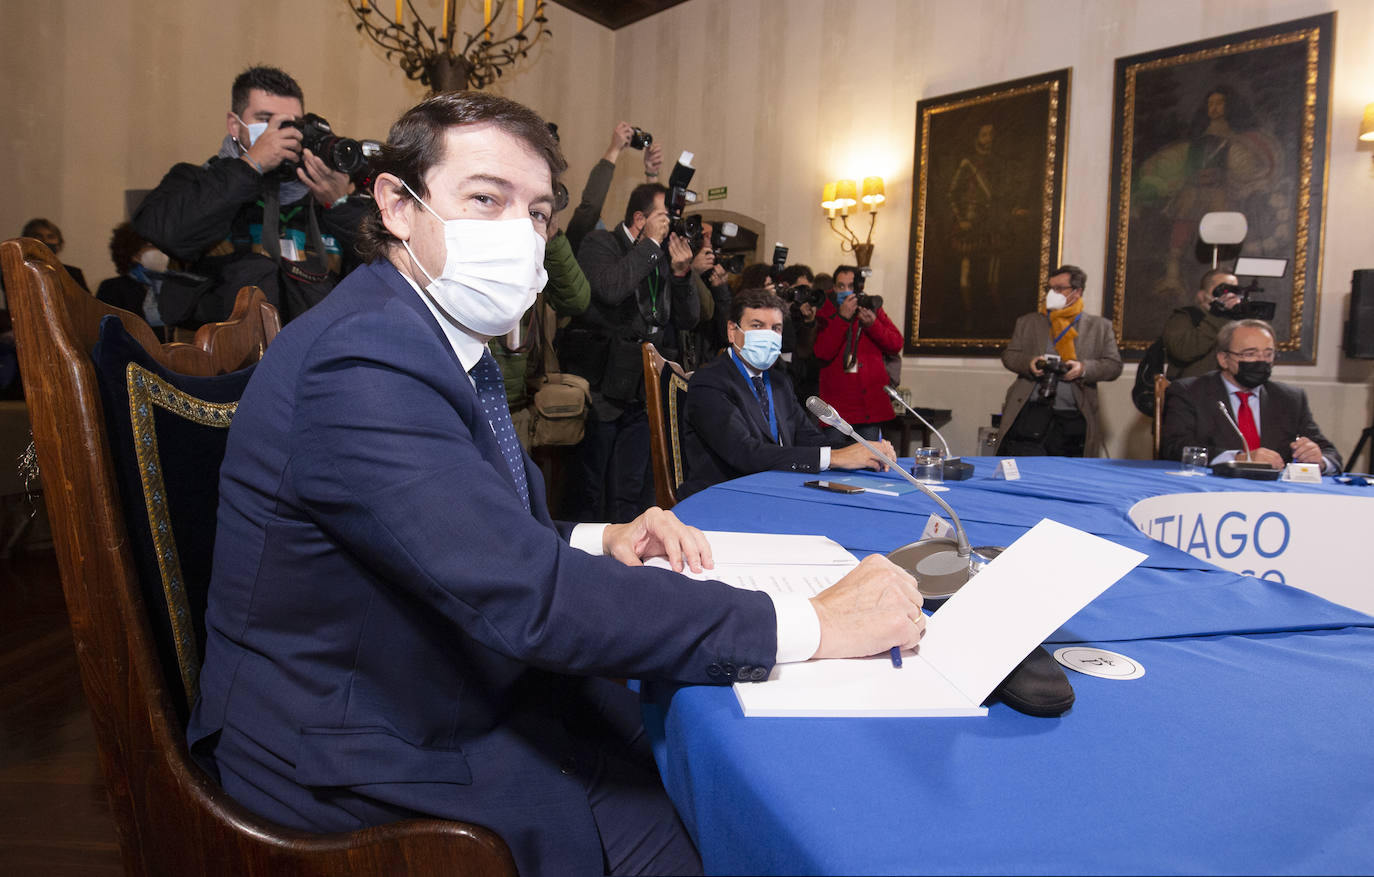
x,y
1329,466
825,458
588,538
799,628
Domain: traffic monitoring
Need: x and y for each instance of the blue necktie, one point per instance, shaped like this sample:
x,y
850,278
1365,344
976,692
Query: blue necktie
x,y
761,393
491,394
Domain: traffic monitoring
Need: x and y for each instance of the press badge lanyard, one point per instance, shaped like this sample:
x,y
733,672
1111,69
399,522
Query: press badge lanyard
x,y
768,386
1066,329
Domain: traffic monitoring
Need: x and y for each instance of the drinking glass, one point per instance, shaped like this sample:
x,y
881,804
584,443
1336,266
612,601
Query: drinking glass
x,y
929,466
1194,460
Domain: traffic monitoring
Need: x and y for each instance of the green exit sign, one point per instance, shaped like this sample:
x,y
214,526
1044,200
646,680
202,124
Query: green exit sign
x,y
716,194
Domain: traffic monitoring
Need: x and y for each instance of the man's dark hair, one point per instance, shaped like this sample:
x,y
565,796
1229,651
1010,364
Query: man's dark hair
x,y
753,298
33,227
852,269
642,200
268,79
1077,278
755,275
1210,275
790,274
415,146
823,282
125,245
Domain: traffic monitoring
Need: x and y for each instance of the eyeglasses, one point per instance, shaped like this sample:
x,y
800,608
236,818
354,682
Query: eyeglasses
x,y
1060,289
1252,354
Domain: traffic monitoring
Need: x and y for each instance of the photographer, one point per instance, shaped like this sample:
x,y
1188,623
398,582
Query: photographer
x,y
1190,335
1059,355
588,211
797,288
642,290
264,211
854,336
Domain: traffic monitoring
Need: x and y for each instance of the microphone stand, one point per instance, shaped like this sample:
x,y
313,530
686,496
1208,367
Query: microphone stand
x,y
940,565
953,468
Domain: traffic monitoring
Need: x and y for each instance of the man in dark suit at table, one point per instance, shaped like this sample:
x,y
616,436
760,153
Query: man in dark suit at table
x,y
742,415
395,626
1274,418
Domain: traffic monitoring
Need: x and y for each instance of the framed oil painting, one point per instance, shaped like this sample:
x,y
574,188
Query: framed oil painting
x,y
988,210
1232,124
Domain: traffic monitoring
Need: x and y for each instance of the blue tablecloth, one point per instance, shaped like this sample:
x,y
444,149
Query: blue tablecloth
x,y
1247,746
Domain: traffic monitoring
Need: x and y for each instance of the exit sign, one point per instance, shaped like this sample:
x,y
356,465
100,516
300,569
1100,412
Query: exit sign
x,y
716,194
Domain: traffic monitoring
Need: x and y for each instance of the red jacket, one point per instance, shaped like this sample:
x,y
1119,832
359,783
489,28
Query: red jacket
x,y
858,396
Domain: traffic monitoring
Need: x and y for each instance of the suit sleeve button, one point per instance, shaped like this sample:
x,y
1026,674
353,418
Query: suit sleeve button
x,y
713,670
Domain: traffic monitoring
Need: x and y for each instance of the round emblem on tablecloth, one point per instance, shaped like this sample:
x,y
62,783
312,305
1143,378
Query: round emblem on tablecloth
x,y
1098,662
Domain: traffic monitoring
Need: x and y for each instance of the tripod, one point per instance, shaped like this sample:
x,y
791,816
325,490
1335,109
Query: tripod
x,y
1366,436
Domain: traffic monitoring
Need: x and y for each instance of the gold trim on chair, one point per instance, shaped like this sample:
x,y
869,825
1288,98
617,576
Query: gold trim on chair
x,y
146,390
677,388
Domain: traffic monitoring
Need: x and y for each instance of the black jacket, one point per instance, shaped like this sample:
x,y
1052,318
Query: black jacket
x,y
635,298
727,435
203,216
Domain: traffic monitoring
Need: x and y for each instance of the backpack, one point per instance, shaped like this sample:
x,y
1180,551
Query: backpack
x,y
1151,364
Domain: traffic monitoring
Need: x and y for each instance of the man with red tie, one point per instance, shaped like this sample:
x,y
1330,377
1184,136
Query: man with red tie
x,y
1274,418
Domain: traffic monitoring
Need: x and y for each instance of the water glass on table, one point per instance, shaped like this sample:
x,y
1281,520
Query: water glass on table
x,y
929,466
1194,461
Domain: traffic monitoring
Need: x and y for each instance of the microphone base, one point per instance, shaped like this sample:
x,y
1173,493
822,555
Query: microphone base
x,y
938,569
956,469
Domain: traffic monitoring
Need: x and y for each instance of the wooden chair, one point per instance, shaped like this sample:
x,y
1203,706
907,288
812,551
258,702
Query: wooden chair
x,y
665,396
1161,384
171,817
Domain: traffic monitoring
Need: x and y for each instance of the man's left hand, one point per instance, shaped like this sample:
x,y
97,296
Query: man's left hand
x,y
704,260
1075,370
680,255
866,317
1306,451
658,533
325,183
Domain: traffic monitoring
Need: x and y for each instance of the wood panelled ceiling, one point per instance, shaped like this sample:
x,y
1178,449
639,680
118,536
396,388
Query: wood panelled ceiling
x,y
615,14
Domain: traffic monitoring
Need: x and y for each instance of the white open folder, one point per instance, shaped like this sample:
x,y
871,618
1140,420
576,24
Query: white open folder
x,y
979,636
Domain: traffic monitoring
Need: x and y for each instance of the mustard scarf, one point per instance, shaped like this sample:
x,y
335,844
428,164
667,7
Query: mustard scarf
x,y
1061,319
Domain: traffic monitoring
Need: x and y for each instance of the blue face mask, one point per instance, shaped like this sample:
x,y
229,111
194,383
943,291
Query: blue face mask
x,y
841,295
761,348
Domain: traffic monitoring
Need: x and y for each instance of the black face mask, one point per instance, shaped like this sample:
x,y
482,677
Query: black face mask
x,y
1251,374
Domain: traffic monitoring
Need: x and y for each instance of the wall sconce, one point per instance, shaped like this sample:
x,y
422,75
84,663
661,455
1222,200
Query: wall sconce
x,y
1367,124
838,199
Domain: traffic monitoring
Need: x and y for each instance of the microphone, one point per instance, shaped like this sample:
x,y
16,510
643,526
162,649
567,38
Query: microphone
x,y
1243,468
939,565
955,469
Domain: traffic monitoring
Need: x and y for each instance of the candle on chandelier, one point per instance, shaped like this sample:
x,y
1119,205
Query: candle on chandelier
x,y
486,20
519,15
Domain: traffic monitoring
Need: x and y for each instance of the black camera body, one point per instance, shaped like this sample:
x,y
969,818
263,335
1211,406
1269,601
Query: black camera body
x,y
1052,368
1247,308
871,302
342,154
806,294
679,196
640,138
730,263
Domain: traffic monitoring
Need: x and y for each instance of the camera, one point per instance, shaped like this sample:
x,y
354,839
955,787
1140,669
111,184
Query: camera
x,y
560,196
343,154
806,294
640,139
779,261
730,263
871,302
679,196
1052,368
1246,308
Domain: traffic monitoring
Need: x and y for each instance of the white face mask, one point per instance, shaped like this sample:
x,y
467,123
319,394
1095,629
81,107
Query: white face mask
x,y
1055,300
254,130
492,273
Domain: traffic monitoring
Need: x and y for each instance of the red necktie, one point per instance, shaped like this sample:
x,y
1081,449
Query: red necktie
x,y
1246,420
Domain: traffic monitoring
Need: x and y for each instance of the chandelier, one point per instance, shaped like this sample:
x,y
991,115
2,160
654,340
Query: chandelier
x,y
440,58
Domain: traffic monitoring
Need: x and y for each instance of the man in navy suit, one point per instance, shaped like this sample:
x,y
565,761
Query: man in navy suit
x,y
1274,418
395,625
742,415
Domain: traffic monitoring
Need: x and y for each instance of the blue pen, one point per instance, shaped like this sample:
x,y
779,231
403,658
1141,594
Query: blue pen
x,y
897,657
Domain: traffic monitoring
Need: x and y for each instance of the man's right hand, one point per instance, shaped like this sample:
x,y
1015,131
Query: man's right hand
x,y
808,311
653,160
1035,368
620,138
276,145
869,611
848,307
856,456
